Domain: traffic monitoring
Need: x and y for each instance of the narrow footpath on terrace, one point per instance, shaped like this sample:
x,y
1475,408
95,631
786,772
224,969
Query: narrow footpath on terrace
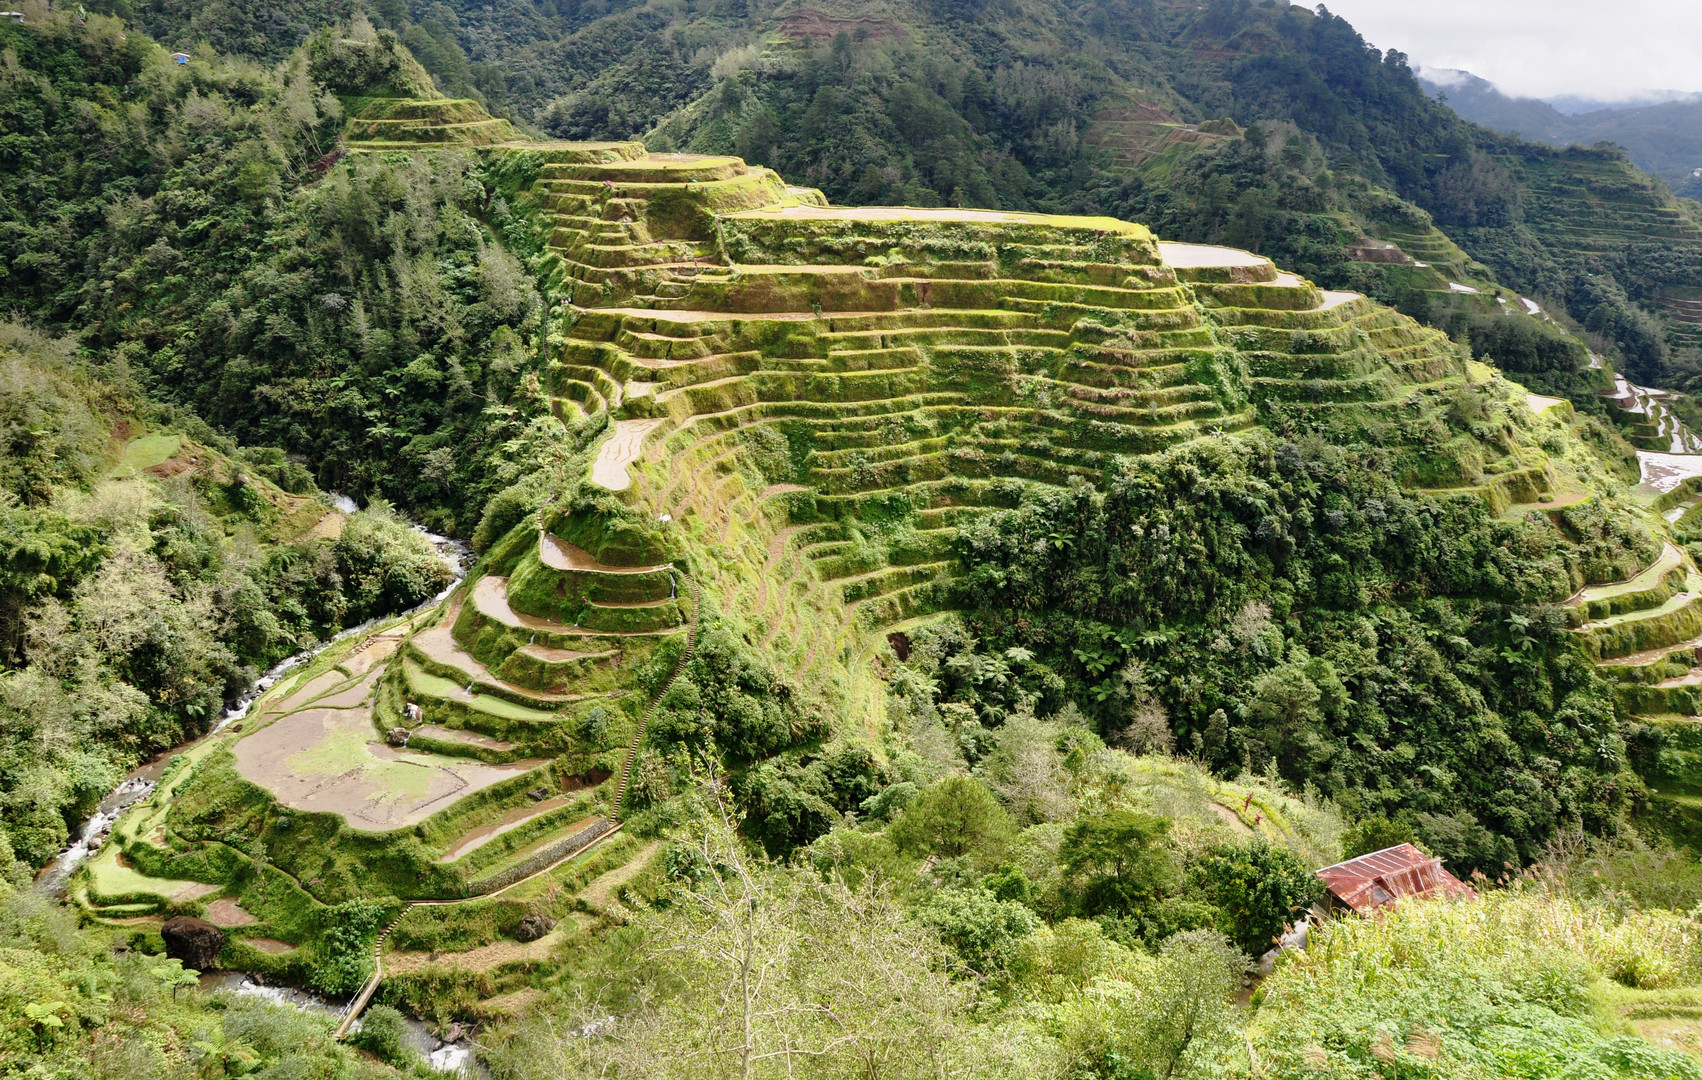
x,y
554,856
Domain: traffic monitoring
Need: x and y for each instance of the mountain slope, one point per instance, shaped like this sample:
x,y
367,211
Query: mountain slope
x,y
820,429
1663,139
1027,381
1097,108
882,539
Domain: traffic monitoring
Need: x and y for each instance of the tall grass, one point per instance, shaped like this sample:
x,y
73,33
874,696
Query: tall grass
x,y
1508,929
1513,984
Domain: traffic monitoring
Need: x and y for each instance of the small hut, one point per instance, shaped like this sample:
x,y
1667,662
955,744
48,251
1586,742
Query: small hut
x,y
1383,878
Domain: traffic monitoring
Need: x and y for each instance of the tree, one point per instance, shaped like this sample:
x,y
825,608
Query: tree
x,y
1117,861
383,1033
1374,834
41,554
746,971
1027,771
345,959
1198,972
955,818
1261,889
983,929
1148,1016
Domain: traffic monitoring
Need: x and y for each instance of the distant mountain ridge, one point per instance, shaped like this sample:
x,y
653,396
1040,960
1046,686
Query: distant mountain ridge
x,y
1662,137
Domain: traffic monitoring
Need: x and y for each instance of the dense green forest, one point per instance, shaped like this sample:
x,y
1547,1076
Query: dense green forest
x,y
372,323
1023,105
1663,139
1289,610
1046,826
1006,106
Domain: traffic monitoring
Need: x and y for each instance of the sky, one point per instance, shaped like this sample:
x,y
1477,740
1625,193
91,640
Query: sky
x,y
1544,48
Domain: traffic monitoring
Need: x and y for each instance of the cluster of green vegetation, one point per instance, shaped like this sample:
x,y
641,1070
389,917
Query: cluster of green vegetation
x,y
1019,105
378,318
1289,606
147,579
955,584
901,952
80,1002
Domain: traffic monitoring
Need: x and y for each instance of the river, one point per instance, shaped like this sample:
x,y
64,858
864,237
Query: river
x,y
453,1058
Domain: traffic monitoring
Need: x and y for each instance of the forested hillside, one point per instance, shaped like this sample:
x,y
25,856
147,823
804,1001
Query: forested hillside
x,y
980,622
148,578
174,218
1664,139
1095,107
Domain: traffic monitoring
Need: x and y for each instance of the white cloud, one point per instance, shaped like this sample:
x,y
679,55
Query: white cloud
x,y
1544,48
1447,77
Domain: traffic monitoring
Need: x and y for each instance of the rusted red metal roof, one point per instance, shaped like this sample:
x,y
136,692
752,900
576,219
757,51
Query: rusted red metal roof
x,y
1383,877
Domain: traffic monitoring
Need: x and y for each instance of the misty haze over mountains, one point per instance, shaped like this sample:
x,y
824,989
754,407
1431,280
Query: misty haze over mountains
x,y
1662,131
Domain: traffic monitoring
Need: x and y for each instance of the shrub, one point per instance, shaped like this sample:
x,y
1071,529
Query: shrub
x,y
1374,834
1509,977
984,930
345,946
383,1034
1260,888
1117,861
1150,1021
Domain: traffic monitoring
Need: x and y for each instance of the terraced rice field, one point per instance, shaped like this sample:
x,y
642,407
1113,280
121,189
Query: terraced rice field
x,y
774,367
802,408
332,760
774,373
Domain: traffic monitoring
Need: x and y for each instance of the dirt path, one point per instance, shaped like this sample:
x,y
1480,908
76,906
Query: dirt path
x,y
1229,817
1669,559
481,958
776,552
520,815
598,893
490,597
